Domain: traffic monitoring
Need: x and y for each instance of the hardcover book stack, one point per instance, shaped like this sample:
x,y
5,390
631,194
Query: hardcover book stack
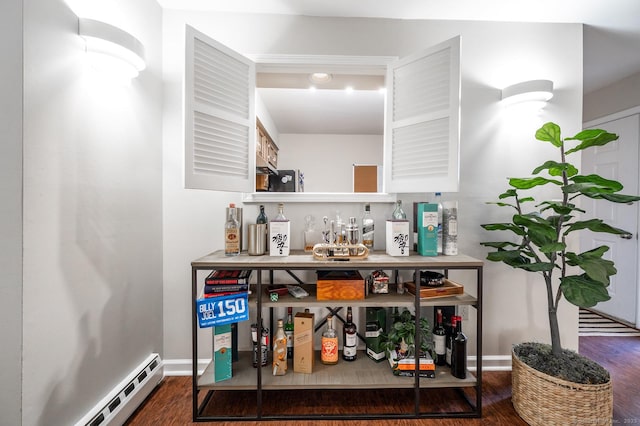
x,y
226,282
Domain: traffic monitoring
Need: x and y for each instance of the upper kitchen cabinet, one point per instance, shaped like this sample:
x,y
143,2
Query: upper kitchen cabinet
x,y
421,132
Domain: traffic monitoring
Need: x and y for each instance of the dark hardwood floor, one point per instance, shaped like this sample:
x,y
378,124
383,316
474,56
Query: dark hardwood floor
x,y
170,403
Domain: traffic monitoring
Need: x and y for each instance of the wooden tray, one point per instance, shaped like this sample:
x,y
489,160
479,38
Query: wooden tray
x,y
449,288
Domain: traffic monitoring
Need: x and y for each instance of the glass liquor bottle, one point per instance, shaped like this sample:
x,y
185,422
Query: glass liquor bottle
x,y
262,219
349,338
459,352
279,234
398,213
440,340
368,225
288,330
280,351
329,344
231,232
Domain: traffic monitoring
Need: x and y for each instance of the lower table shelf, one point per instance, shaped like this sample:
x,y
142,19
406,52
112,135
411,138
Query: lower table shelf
x,y
362,373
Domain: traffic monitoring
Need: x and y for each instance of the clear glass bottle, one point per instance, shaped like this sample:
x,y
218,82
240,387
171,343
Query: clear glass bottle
x,y
398,213
280,216
280,351
450,228
440,340
349,338
368,227
288,330
459,352
231,232
438,200
329,344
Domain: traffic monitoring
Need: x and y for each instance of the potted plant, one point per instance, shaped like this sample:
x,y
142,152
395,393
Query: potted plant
x,y
401,336
538,244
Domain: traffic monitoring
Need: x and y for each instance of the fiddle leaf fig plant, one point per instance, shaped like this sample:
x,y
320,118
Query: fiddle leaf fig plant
x,y
539,233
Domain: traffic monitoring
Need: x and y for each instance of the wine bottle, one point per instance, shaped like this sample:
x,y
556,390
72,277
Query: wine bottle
x,y
440,340
329,344
450,336
350,338
231,232
280,351
288,330
459,352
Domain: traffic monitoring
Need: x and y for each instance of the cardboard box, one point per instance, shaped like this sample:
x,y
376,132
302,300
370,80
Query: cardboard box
x,y
340,285
375,326
279,238
397,241
303,355
222,352
427,229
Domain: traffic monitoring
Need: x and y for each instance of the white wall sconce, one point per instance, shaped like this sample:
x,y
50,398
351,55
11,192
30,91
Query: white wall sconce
x,y
111,49
539,91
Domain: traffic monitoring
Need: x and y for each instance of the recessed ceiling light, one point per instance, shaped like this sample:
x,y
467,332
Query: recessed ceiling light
x,y
320,77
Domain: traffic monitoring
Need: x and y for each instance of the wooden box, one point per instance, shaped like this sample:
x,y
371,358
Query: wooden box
x,y
303,354
449,288
340,285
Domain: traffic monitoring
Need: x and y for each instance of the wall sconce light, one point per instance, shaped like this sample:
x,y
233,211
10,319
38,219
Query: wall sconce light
x,y
533,90
111,49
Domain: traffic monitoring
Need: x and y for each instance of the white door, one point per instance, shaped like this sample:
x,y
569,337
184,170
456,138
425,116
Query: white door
x,y
618,161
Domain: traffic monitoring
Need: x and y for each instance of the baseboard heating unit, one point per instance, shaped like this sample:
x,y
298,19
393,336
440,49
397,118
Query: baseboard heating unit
x,y
123,400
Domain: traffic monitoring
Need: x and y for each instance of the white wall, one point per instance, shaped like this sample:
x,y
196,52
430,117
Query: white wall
x,y
92,212
493,146
619,96
327,160
11,211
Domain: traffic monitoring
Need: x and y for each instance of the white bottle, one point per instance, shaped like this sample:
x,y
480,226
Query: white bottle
x,y
368,227
450,227
438,200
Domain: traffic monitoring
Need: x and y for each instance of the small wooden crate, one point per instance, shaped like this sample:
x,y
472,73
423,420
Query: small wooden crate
x,y
340,285
449,288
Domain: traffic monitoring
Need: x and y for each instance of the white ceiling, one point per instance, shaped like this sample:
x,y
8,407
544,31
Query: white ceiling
x,y
611,36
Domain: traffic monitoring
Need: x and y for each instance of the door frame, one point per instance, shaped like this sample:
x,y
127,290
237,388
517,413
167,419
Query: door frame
x,y
595,122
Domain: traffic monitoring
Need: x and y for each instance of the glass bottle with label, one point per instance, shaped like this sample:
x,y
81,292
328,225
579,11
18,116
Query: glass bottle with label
x,y
398,213
288,330
450,336
440,340
350,338
450,228
231,233
368,225
279,234
280,351
329,344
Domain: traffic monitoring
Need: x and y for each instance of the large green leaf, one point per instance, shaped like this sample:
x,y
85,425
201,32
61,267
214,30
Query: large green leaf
x,y
592,263
498,244
503,227
595,225
538,267
528,183
560,208
614,198
592,137
556,169
549,132
596,181
538,226
553,247
508,193
583,291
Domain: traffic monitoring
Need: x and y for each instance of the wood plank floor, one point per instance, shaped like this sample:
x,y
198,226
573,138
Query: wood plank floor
x,y
170,403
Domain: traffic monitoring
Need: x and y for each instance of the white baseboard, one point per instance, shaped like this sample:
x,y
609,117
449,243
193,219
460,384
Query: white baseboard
x,y
182,367
122,401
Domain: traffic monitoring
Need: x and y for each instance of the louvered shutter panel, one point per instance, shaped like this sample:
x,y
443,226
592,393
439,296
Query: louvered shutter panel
x,y
219,116
423,116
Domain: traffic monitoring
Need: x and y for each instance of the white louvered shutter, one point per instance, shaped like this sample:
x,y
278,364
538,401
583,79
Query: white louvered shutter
x,y
423,121
219,116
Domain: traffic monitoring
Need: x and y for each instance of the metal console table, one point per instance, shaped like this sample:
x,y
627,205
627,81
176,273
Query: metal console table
x,y
361,374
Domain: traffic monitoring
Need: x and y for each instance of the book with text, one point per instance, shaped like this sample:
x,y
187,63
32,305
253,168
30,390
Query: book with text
x,y
235,276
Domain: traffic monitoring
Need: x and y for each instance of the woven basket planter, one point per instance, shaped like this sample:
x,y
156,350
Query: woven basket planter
x,y
541,399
